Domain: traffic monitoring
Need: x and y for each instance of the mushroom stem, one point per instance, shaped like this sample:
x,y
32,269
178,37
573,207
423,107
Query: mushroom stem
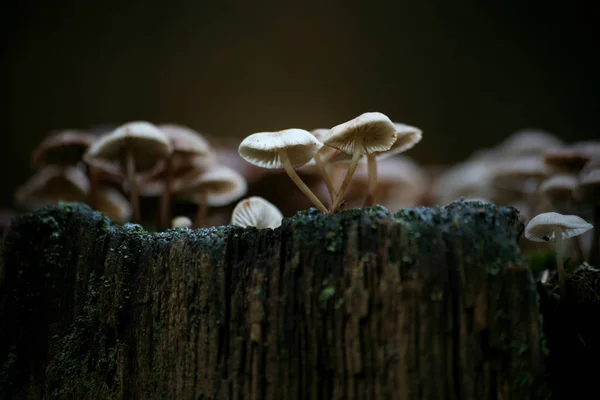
x,y
560,267
372,172
134,197
322,170
349,174
165,199
201,212
595,251
93,177
287,165
576,239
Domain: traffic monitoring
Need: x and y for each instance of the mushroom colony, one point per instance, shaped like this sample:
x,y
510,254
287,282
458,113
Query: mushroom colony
x,y
167,176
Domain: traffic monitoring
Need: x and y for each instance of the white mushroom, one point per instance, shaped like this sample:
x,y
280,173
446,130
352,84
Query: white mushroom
x,y
256,212
554,226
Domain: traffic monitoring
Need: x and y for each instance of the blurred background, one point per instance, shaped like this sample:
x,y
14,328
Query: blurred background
x,y
468,74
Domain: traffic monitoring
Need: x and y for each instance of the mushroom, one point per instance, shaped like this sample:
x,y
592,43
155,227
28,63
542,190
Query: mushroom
x,y
587,191
406,138
554,226
287,149
113,204
320,163
181,222
527,142
62,148
186,143
366,134
256,212
137,147
216,187
52,184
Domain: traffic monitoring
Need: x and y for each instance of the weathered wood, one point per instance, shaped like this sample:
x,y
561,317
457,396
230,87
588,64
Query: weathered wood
x,y
428,303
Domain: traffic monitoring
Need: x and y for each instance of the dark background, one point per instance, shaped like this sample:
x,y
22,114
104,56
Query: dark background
x,y
468,73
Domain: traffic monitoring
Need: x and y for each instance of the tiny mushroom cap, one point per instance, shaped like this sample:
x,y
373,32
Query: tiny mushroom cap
x,y
62,148
219,186
186,140
147,143
542,227
371,132
573,158
52,184
559,187
256,212
264,149
152,184
406,138
113,204
522,174
588,186
528,141
181,222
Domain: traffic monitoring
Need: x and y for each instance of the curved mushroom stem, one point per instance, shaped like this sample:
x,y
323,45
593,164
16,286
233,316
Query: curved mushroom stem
x,y
201,211
349,174
165,199
322,170
287,165
595,251
576,239
372,172
560,267
134,197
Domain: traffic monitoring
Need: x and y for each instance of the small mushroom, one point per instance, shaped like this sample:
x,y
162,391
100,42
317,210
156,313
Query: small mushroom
x,y
366,134
137,147
587,191
53,184
256,212
287,149
186,143
527,142
62,148
554,226
216,187
181,222
113,204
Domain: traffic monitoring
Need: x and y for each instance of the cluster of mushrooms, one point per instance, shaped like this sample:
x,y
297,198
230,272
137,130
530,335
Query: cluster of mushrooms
x,y
354,164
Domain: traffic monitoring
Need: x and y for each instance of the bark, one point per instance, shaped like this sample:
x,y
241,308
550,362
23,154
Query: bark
x,y
428,303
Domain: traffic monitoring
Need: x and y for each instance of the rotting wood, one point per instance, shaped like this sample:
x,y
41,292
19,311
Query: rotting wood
x,y
427,303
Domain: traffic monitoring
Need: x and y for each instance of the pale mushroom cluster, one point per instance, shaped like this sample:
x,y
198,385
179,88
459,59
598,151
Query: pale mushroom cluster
x,y
537,173
138,160
366,139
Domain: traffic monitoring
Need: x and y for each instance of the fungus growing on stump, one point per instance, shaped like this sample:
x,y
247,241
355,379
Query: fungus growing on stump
x,y
287,149
181,222
554,226
113,204
216,187
62,148
52,184
587,191
137,147
364,135
186,143
256,212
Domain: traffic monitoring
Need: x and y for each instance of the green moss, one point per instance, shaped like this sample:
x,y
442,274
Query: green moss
x,y
326,294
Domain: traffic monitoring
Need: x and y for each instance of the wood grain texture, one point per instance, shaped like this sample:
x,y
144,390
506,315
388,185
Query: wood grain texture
x,y
427,303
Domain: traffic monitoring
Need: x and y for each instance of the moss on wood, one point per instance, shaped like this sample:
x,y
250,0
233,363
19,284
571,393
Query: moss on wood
x,y
424,303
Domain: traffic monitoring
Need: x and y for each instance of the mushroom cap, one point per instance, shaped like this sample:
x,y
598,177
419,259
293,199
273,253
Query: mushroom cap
x,y
541,227
184,167
263,149
186,140
521,174
181,222
62,148
52,184
221,185
588,186
559,187
113,204
470,178
528,141
376,130
320,133
148,144
406,138
256,212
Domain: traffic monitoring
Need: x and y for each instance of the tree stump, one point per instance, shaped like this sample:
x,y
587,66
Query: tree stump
x,y
427,303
